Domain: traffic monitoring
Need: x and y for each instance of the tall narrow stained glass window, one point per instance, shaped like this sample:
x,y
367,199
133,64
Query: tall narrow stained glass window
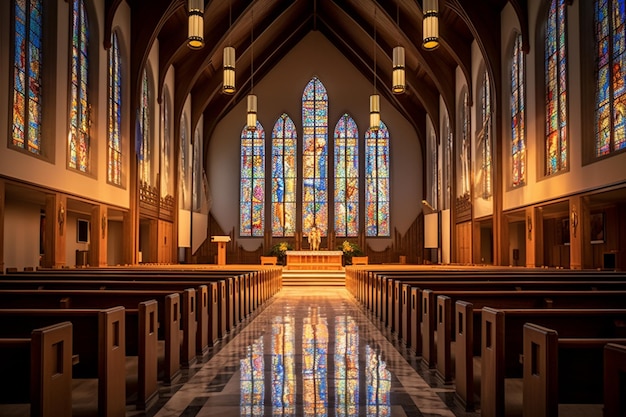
x,y
315,157
284,176
377,182
433,169
610,104
346,177
556,88
144,132
27,75
79,141
483,138
446,135
114,126
518,114
464,148
252,191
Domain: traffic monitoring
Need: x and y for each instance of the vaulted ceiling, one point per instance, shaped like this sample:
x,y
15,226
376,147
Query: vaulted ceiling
x,y
271,28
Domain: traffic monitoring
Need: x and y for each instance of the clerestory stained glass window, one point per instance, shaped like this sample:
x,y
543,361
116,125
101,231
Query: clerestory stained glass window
x,y
377,181
80,109
252,189
144,132
610,41
518,115
484,139
114,126
284,176
556,88
27,75
315,157
346,177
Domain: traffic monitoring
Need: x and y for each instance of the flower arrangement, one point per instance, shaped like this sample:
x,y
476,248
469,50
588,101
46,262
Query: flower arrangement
x,y
279,249
349,250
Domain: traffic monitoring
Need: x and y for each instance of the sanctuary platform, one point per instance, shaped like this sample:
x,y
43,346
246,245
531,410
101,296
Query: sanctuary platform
x,y
314,260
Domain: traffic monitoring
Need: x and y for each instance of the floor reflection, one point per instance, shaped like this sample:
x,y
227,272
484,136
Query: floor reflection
x,y
332,369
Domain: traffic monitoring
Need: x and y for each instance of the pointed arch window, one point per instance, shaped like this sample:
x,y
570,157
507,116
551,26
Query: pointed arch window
x,y
252,191
183,172
518,114
610,105
315,157
377,182
145,131
446,135
27,75
284,176
483,138
556,88
80,108
463,146
197,176
166,170
114,109
346,177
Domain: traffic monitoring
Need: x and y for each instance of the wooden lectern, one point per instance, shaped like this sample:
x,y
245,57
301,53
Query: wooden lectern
x,y
221,248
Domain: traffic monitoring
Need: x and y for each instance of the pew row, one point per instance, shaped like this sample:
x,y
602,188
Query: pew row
x,y
40,368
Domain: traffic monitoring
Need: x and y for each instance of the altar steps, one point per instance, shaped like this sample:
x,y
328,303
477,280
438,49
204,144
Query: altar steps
x,y
292,278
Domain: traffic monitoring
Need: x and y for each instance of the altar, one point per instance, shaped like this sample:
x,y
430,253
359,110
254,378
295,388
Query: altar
x,y
314,259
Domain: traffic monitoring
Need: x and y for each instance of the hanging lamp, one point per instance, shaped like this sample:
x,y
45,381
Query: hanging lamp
x,y
398,78
374,98
252,99
228,86
195,37
431,24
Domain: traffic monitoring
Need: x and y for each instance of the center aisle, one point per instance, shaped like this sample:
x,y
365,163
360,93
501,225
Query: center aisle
x,y
310,352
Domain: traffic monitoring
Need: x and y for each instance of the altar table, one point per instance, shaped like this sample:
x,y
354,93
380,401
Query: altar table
x,y
314,259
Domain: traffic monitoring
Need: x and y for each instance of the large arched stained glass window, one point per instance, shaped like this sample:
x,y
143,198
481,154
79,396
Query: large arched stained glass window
x,y
27,74
518,115
556,88
284,176
483,138
610,121
114,126
79,140
315,157
252,191
145,131
346,177
377,181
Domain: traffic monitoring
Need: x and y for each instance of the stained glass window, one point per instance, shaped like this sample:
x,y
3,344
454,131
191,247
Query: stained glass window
x,y
27,74
463,146
197,172
484,138
377,181
346,177
284,176
80,109
518,114
556,88
114,159
446,135
252,191
315,157
184,201
144,132
165,173
433,166
610,41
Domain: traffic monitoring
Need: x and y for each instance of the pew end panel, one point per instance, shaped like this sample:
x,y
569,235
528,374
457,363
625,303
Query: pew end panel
x,y
614,379
492,363
148,361
112,362
540,380
464,357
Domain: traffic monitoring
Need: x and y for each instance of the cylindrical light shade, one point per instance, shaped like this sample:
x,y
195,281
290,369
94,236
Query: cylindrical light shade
x,y
229,70
374,111
195,37
398,78
431,24
251,120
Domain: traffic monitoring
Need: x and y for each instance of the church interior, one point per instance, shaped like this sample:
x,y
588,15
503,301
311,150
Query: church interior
x,y
253,139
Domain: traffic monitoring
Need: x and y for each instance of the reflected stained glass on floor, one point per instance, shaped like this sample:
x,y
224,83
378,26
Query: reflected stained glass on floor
x,y
355,368
252,380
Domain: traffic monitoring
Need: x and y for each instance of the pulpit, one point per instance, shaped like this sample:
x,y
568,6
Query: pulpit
x,y
221,248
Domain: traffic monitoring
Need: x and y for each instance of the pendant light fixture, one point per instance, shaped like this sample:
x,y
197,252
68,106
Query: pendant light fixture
x,y
374,98
195,37
252,101
431,24
228,86
398,78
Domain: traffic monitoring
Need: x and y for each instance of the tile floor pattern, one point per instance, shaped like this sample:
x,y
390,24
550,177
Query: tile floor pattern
x,y
312,351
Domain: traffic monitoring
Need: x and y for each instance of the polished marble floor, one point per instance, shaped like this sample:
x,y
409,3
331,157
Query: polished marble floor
x,y
311,351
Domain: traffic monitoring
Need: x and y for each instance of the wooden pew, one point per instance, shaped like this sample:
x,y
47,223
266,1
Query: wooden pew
x,y
614,381
561,370
39,369
98,340
502,342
